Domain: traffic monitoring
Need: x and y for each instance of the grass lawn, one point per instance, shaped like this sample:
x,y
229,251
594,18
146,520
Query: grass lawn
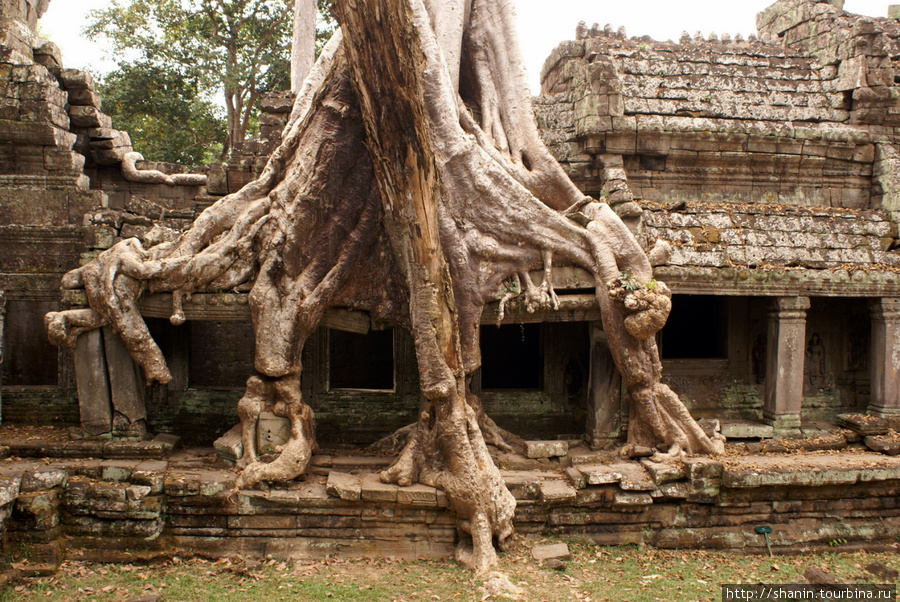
x,y
594,573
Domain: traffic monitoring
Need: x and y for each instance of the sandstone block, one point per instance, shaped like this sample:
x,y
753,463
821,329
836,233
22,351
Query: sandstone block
x,y
86,116
576,478
73,79
664,472
272,431
229,446
373,490
883,444
546,449
629,475
276,104
110,156
863,424
626,501
84,97
43,479
557,492
523,485
344,486
559,551
417,495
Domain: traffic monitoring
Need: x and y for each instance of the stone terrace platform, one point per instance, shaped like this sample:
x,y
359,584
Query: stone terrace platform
x,y
118,509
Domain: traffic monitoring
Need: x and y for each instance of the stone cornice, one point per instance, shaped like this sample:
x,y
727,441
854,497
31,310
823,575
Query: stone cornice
x,y
871,282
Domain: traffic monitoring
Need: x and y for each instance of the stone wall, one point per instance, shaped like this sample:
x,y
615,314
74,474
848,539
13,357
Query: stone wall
x,y
722,120
112,510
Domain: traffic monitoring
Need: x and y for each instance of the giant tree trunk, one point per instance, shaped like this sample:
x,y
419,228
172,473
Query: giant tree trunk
x,y
303,45
411,184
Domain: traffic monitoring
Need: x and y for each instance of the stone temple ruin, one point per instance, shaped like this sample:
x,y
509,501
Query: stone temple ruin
x,y
771,167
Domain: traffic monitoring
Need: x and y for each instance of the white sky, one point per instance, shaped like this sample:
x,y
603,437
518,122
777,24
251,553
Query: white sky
x,y
542,23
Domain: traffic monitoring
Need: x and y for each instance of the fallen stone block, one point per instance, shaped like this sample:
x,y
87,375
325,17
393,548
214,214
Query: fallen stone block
x,y
343,485
885,444
882,571
229,446
576,478
555,564
559,551
546,449
863,424
817,576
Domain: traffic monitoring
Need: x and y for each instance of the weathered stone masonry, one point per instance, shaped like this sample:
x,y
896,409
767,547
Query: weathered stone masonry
x,y
768,164
131,509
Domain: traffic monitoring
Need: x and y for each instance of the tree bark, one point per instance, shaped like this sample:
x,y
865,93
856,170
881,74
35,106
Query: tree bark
x,y
303,48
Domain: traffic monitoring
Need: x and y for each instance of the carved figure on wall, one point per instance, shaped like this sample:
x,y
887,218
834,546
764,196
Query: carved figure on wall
x,y
411,183
815,364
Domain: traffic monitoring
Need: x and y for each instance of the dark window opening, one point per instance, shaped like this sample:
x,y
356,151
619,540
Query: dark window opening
x,y
512,357
221,354
697,328
28,358
361,361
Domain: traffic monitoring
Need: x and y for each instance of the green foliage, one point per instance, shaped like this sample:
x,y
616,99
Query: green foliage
x,y
164,113
628,282
232,49
510,285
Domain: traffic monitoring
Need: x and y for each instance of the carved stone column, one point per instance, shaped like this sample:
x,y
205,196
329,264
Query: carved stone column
x,y
784,366
884,362
604,412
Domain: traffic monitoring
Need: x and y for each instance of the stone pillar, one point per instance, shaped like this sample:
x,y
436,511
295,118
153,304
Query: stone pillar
x,y
884,360
92,383
785,363
126,386
604,424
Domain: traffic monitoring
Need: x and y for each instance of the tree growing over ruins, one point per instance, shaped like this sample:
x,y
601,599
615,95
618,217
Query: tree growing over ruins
x,y
412,184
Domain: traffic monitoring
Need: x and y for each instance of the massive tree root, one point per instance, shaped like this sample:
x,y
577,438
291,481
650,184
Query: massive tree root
x,y
412,184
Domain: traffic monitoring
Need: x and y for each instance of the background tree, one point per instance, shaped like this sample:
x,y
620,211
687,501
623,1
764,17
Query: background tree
x,y
234,50
166,114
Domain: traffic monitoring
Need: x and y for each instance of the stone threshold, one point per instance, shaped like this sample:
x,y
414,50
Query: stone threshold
x,y
160,446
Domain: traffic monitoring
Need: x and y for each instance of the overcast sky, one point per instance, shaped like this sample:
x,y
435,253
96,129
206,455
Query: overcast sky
x,y
542,23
